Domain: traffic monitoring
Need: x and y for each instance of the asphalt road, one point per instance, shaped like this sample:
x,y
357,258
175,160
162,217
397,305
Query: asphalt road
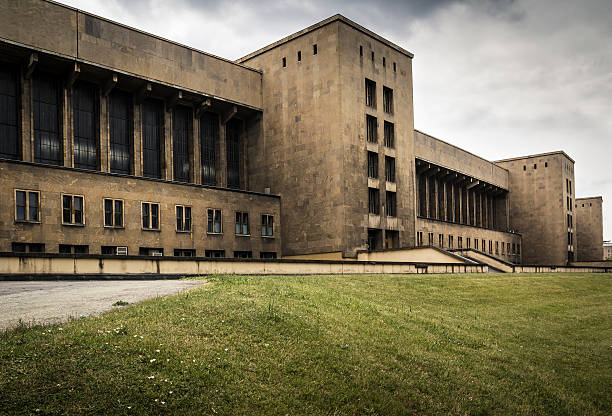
x,y
54,302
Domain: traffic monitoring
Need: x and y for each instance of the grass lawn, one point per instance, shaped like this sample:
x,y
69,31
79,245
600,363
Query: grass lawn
x,y
328,345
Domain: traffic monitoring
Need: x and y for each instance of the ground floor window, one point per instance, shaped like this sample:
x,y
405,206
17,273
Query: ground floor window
x,y
243,254
150,251
28,248
73,249
267,255
214,253
182,252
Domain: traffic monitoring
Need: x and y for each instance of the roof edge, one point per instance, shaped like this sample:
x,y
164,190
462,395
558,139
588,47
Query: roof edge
x,y
584,198
556,152
322,23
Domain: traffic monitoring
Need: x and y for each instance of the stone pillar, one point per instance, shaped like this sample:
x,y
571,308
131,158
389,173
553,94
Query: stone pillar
x,y
103,135
196,151
222,161
67,126
27,120
167,146
137,145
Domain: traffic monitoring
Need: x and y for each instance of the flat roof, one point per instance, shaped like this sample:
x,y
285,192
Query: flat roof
x,y
322,23
558,152
589,197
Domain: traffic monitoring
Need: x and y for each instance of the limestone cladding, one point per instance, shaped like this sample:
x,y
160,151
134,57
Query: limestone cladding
x,y
53,182
589,228
541,203
315,150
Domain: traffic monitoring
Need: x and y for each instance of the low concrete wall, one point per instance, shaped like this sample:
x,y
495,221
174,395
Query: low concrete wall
x,y
13,266
425,254
602,263
484,258
560,269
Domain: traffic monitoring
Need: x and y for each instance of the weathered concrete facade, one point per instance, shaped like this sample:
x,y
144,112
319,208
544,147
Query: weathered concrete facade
x,y
589,228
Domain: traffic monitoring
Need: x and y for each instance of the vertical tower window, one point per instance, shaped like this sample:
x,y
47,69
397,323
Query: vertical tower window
x,y
374,201
384,62
388,100
394,67
232,139
10,143
152,133
47,120
389,134
389,169
360,50
372,56
314,49
209,138
391,205
372,165
372,129
370,93
85,125
120,131
299,56
181,143
72,210
284,62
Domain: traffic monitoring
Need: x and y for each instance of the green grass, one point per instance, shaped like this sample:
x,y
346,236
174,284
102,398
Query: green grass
x,y
328,345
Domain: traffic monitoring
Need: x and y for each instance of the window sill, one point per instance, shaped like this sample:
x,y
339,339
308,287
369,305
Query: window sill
x,y
113,227
67,224
209,233
27,222
151,229
268,237
183,232
243,235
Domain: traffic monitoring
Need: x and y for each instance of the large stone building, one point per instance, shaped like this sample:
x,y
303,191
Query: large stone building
x,y
115,141
589,228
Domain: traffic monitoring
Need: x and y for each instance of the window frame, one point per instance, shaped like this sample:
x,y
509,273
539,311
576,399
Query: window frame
x,y
114,225
372,167
266,224
390,169
150,228
373,204
370,93
389,134
388,100
27,206
182,207
72,210
391,204
241,223
211,230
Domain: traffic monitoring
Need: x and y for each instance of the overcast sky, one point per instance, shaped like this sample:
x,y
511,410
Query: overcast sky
x,y
500,78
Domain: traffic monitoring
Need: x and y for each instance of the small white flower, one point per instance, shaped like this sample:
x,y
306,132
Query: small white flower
x,y
163,402
150,377
156,350
227,349
60,329
170,391
153,360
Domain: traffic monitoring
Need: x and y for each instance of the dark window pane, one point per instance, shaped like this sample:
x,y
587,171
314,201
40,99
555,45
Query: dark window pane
x,y
20,205
120,131
180,143
67,209
238,222
154,216
33,206
217,221
145,216
47,120
210,220
209,136
78,209
187,218
245,223
179,218
85,123
118,213
10,141
152,133
108,212
233,130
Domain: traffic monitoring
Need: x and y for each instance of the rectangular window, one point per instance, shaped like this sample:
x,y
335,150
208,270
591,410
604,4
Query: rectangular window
x,y
73,249
372,56
392,205
184,252
113,213
314,49
267,225
209,137
490,247
27,247
47,120
373,201
10,139
284,62
372,129
242,223
440,240
214,222
450,242
243,254
85,123
181,143
459,242
518,249
468,242
150,216
389,169
503,245
232,138
360,50
152,137
370,93
484,246
120,131
476,243
150,251
114,250
183,218
384,62
299,56
267,255
72,210
394,67
389,134
27,206
419,238
372,165
388,100
496,247
430,239
214,254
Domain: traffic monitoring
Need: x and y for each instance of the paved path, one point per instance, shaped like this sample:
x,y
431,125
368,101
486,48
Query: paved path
x,y
53,302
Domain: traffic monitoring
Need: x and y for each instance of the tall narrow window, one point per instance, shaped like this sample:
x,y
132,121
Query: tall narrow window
x,y
242,223
72,210
389,169
120,131
267,225
209,138
113,213
85,122
384,62
284,62
27,206
391,204
10,143
394,67
150,216
388,100
152,133
389,134
183,218
181,143
370,91
299,56
232,139
47,120
372,129
374,201
372,165
314,49
214,221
